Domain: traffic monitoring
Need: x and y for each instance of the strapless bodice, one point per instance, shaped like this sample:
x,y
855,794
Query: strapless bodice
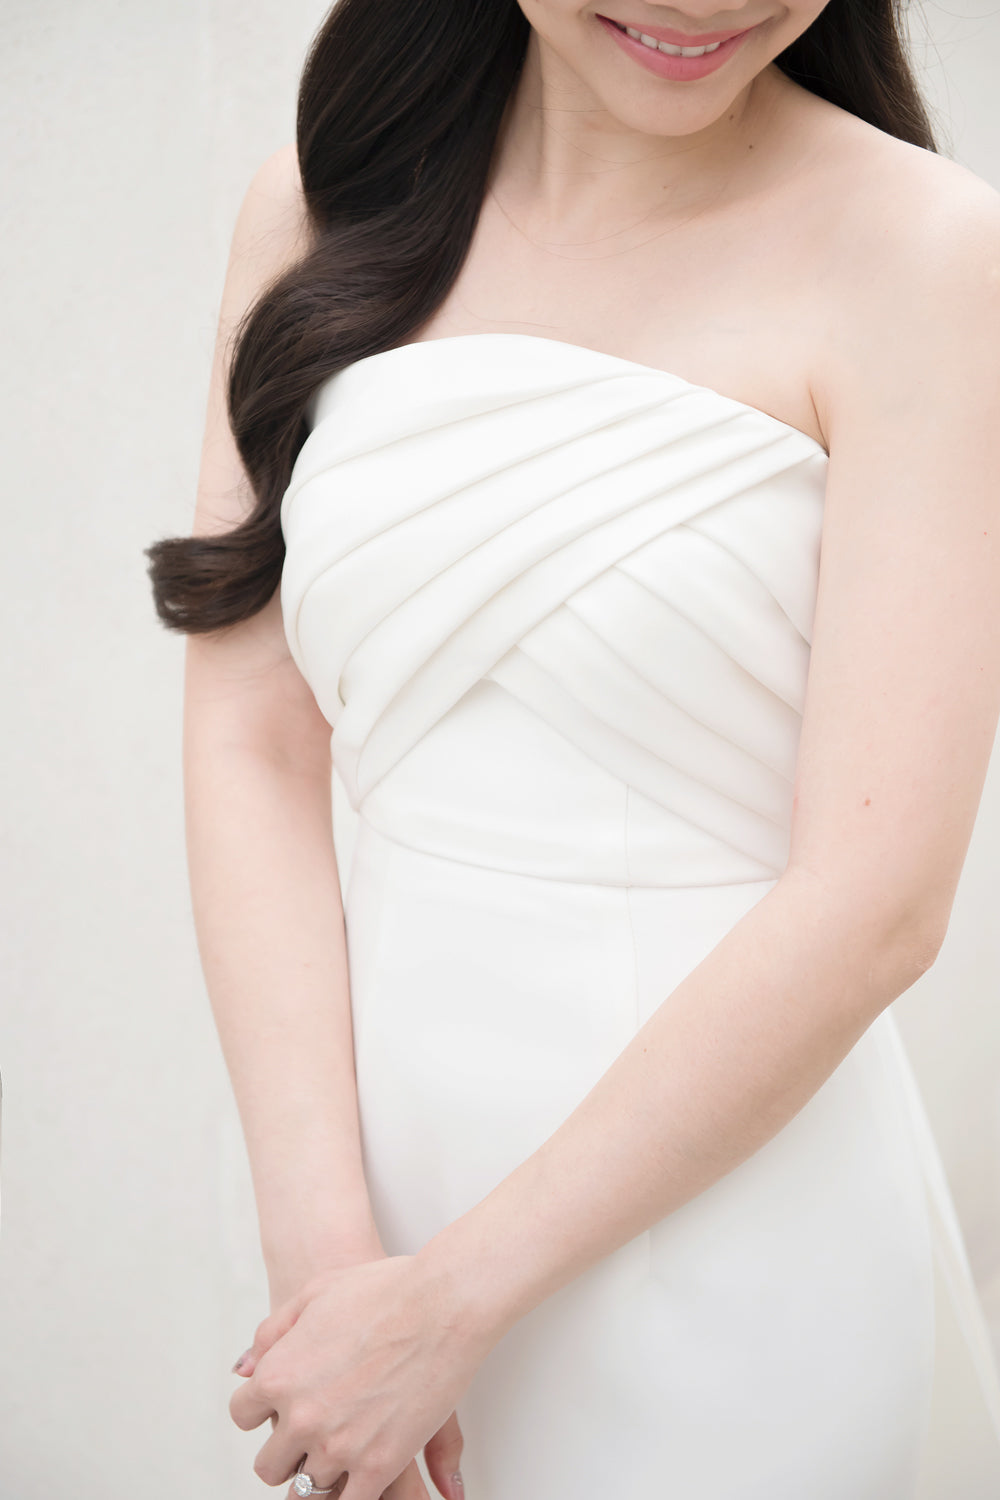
x,y
557,608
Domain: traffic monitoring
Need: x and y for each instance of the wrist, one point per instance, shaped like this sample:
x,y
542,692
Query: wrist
x,y
477,1282
293,1261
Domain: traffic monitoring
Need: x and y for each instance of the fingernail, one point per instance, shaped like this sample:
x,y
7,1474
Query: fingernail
x,y
237,1367
456,1478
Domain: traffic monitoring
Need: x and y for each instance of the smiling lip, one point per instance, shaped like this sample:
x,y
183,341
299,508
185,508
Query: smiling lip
x,y
679,38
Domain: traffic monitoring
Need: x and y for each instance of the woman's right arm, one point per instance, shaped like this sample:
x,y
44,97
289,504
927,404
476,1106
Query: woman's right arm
x,y
264,882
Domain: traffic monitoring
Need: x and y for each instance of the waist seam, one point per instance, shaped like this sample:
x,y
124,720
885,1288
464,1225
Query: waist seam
x,y
612,885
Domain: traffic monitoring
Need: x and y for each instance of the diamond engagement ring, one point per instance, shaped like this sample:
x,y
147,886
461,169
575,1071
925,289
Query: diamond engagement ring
x,y
302,1484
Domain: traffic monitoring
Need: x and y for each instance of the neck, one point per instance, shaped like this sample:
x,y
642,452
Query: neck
x,y
567,165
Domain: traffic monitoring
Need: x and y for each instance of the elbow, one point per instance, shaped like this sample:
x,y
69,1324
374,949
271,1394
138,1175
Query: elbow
x,y
899,939
922,946
914,930
899,953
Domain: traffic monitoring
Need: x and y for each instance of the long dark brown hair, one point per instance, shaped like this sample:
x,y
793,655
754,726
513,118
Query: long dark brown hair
x,y
394,145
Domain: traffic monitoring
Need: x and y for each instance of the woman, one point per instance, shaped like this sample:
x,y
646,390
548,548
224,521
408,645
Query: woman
x,y
607,379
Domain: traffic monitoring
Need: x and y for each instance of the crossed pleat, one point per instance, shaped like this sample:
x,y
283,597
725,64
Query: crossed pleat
x,y
632,557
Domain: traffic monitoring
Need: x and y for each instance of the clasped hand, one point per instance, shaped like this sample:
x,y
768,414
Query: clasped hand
x,y
359,1370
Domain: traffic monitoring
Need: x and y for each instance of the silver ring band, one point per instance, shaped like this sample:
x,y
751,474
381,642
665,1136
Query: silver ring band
x,y
303,1484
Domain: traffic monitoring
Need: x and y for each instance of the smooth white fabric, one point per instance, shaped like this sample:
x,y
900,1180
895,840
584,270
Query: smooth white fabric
x,y
557,608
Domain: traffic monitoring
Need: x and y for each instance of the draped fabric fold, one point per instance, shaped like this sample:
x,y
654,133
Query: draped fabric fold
x,y
630,556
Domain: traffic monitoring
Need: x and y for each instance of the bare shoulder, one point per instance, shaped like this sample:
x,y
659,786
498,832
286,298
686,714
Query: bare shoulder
x,y
883,206
271,234
917,204
906,252
272,228
265,701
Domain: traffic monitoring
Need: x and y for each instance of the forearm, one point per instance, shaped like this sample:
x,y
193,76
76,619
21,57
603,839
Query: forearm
x,y
719,1068
269,920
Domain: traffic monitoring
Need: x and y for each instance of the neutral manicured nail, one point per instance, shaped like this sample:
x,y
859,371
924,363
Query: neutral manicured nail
x,y
456,1478
237,1367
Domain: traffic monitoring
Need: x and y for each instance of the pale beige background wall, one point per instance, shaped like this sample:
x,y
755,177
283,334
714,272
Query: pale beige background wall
x,y
129,1269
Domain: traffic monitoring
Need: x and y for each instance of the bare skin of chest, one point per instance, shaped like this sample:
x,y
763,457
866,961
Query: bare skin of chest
x,y
736,294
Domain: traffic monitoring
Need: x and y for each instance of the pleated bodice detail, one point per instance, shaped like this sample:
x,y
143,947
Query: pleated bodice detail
x,y
585,584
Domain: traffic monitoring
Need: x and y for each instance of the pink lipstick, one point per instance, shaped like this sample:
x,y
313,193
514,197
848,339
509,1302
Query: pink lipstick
x,y
670,65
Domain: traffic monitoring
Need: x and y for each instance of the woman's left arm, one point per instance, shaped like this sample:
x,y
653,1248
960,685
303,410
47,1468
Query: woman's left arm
x,y
901,711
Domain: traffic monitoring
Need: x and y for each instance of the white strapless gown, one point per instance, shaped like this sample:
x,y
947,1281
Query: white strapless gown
x,y
557,607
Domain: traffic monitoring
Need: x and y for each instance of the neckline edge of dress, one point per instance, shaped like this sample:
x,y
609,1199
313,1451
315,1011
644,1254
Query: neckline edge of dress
x,y
627,367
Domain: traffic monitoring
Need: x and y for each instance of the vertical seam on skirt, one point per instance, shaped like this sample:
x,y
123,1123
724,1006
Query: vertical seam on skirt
x,y
635,967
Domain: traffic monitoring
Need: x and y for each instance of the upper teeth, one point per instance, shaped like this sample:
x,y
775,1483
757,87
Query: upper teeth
x,y
651,41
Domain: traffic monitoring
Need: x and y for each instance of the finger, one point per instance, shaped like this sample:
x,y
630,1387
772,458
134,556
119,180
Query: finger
x,y
282,1460
409,1485
269,1331
314,1470
442,1453
364,1484
249,1406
